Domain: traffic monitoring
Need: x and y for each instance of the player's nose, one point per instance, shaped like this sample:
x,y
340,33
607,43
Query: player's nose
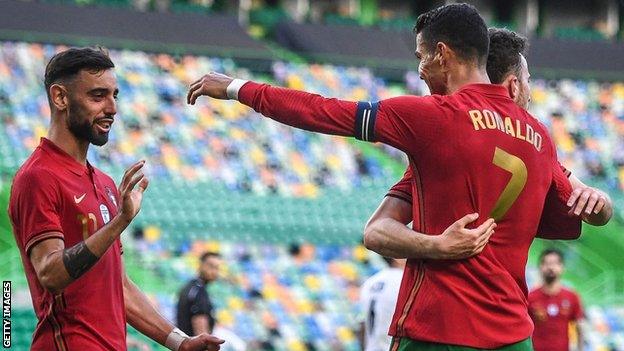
x,y
110,108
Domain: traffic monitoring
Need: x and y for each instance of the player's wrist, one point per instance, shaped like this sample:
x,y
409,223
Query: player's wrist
x,y
175,339
234,87
122,219
434,247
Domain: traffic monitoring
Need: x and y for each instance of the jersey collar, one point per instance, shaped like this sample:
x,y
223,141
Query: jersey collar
x,y
64,158
489,89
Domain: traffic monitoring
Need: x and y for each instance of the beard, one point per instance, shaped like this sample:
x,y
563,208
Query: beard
x,y
549,277
79,125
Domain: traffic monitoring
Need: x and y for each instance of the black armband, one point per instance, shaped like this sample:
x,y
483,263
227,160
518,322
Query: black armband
x,y
365,117
78,259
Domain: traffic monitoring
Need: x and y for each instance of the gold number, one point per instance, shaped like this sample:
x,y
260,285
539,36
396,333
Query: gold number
x,y
84,221
514,165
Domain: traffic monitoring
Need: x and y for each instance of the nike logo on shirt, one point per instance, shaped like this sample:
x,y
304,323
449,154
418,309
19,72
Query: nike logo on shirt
x,y
79,199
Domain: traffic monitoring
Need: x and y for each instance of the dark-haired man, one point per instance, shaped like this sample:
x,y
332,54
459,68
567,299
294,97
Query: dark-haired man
x,y
195,311
474,151
553,308
67,217
508,67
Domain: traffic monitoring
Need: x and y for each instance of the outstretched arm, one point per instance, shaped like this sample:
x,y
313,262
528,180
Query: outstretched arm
x,y
406,122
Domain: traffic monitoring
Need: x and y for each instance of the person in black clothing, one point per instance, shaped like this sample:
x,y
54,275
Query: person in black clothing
x,y
195,311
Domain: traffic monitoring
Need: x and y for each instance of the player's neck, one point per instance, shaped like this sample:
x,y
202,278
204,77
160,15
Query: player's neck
x,y
67,142
553,288
465,74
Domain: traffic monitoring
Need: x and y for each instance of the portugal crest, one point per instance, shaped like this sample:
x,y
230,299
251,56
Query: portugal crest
x,y
111,195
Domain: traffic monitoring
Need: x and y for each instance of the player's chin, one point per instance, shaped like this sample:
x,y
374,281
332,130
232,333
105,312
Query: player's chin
x,y
99,138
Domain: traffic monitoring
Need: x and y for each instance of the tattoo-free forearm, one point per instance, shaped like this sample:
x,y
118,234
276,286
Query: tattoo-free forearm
x,y
200,324
391,238
143,316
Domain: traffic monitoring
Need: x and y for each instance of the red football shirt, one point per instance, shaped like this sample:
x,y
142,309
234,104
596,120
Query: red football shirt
x,y
472,151
552,315
52,192
555,223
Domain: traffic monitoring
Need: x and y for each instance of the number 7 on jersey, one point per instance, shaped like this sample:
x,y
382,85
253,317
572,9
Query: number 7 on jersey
x,y
514,165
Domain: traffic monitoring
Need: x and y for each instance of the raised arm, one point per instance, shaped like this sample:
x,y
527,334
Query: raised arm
x,y
57,267
405,122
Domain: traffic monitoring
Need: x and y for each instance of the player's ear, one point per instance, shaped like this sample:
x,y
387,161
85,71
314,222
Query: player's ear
x,y
58,96
442,54
512,84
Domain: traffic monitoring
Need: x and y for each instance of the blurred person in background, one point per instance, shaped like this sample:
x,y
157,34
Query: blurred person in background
x,y
195,312
378,297
68,217
555,310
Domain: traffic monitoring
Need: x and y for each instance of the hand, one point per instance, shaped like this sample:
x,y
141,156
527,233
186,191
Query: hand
x,y
458,242
212,84
130,198
587,200
201,342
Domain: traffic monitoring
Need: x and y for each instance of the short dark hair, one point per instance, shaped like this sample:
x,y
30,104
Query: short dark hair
x,y
458,25
207,255
551,251
68,63
504,58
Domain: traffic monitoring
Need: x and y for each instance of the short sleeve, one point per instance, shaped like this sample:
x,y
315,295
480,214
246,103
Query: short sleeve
x,y
35,208
198,301
403,188
409,123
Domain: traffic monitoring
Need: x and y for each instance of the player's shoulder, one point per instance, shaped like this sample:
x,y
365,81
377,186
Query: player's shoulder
x,y
382,277
568,292
410,101
537,123
37,170
535,292
372,280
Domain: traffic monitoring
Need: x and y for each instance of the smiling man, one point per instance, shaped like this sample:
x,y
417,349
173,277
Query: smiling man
x,y
68,216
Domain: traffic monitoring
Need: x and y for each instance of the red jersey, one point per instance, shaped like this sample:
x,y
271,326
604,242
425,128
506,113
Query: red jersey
x,y
55,196
552,315
472,151
555,223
